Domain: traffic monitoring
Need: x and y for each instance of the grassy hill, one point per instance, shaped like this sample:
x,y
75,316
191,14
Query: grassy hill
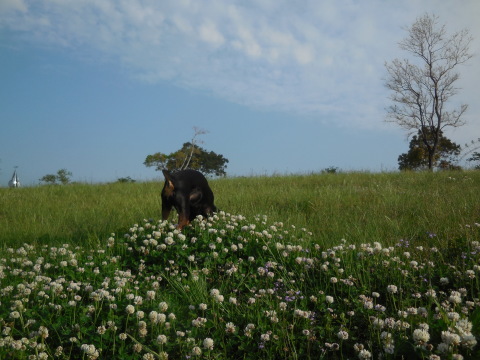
x,y
331,266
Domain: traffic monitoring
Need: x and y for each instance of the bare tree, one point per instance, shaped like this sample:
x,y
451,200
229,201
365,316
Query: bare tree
x,y
422,87
197,131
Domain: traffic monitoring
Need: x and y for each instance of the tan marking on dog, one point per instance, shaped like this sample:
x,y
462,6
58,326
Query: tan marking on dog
x,y
169,188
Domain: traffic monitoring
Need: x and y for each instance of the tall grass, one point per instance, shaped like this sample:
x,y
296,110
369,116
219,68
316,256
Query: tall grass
x,y
355,206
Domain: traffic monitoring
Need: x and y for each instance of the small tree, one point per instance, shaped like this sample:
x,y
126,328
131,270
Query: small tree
x,y
200,159
190,156
49,179
417,156
127,179
62,177
422,88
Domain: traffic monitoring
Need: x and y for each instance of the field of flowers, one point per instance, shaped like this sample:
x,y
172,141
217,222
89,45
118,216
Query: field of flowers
x,y
236,288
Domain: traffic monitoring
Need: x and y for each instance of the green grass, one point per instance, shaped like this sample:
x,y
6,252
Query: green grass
x,y
333,266
356,206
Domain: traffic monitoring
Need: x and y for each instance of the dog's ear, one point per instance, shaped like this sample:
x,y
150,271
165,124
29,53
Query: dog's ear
x,y
167,174
195,196
168,181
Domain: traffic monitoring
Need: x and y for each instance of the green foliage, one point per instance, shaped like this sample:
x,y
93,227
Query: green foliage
x,y
127,179
62,177
330,170
417,158
208,162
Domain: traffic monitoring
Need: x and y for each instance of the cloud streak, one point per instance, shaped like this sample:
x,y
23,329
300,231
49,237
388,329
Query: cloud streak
x,y
321,59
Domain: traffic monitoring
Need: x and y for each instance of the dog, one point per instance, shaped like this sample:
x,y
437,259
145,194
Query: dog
x,y
188,192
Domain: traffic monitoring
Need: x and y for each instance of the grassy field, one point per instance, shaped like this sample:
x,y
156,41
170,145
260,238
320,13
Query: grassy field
x,y
331,266
356,206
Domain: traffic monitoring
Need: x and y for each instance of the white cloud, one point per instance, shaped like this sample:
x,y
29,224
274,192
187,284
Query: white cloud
x,y
325,59
210,34
12,5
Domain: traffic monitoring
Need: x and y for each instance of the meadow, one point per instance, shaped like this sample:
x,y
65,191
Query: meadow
x,y
341,266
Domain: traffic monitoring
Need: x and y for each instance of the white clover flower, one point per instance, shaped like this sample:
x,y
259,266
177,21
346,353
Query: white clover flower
x,y
265,337
161,339
153,316
161,318
455,297
199,322
163,306
150,295
468,340
378,323
196,351
230,328
444,281
15,315
364,354
43,332
392,289
329,299
421,336
452,315
464,326
368,304
89,350
208,343
130,309
450,338
58,351
214,292
342,335
140,314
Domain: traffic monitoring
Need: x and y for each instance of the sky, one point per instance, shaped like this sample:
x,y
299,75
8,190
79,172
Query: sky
x,y
281,87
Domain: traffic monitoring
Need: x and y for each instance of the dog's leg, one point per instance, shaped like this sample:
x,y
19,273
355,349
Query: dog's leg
x,y
166,208
183,213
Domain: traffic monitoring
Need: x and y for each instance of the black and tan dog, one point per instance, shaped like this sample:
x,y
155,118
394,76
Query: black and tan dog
x,y
188,192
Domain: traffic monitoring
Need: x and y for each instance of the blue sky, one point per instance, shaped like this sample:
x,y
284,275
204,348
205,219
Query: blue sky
x,y
94,86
